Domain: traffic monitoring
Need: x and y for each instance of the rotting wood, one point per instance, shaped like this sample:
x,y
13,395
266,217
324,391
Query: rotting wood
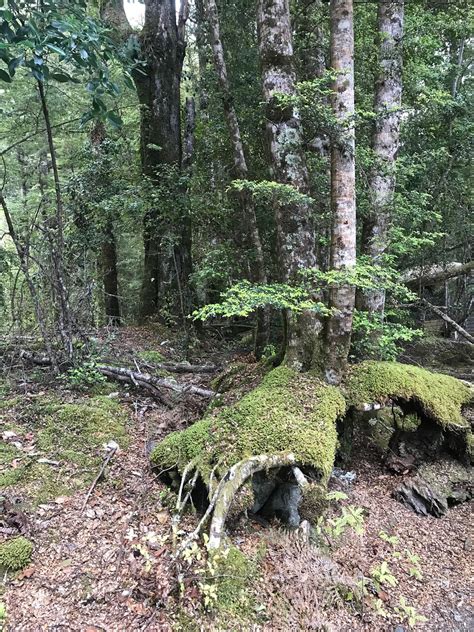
x,y
439,312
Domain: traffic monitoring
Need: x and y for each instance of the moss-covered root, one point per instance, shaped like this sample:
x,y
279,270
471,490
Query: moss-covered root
x,y
15,554
290,419
439,397
288,413
438,400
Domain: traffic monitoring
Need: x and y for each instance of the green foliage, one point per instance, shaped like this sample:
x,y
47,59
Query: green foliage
x,y
60,42
409,614
15,554
84,376
270,192
378,338
244,298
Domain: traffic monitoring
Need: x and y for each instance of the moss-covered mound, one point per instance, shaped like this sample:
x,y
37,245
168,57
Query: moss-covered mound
x,y
439,397
15,554
288,412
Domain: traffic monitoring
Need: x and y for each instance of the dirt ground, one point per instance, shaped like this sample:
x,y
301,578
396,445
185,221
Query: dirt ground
x,y
109,565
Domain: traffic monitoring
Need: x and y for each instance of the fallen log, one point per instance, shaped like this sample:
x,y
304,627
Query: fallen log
x,y
439,312
434,275
152,382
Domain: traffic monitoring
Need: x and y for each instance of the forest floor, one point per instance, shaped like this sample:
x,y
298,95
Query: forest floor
x,y
108,565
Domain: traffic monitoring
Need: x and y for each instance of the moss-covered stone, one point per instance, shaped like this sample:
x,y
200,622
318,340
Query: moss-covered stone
x,y
15,554
288,412
439,397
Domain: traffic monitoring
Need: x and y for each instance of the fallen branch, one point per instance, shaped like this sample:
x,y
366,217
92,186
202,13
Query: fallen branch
x,y
183,367
152,382
112,449
439,312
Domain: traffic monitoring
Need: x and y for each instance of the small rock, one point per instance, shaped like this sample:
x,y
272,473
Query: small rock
x,y
345,477
467,544
419,496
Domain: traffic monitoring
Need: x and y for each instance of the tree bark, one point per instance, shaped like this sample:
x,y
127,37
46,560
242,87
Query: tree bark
x,y
240,170
294,222
158,88
385,142
343,240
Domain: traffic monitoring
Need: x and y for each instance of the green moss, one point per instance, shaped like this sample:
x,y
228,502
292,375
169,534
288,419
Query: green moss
x,y
15,554
154,357
234,573
439,397
288,412
81,427
71,433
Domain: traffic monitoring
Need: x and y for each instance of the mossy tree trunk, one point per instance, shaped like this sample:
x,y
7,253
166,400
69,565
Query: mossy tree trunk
x,y
294,222
385,142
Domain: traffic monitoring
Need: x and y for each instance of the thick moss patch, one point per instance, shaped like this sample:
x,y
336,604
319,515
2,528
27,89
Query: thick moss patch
x,y
288,412
72,434
15,554
439,397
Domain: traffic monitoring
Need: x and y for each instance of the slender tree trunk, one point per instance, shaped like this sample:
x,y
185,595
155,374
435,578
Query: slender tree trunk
x,y
385,143
294,222
23,257
343,240
258,272
108,261
108,247
59,273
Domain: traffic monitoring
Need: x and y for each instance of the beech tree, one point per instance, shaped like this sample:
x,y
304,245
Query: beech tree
x,y
241,170
294,221
343,204
385,142
167,262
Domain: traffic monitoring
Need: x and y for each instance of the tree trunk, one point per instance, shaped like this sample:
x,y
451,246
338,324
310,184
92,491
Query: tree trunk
x,y
343,240
240,170
108,248
158,88
110,276
294,222
385,143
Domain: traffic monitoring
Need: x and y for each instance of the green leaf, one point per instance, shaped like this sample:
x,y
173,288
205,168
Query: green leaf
x,y
13,64
61,77
4,76
114,119
56,49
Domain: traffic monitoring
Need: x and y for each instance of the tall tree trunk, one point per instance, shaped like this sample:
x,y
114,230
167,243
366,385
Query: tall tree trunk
x,y
240,170
343,239
294,222
385,143
158,87
56,236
